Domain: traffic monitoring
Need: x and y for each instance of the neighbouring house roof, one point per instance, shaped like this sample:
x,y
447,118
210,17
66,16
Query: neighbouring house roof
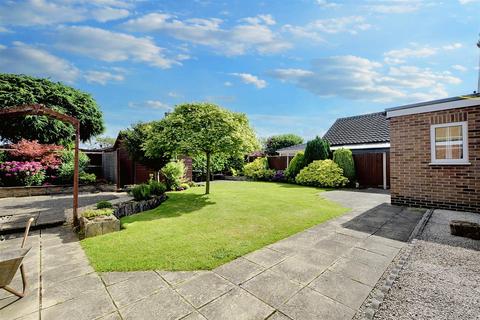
x,y
435,105
293,149
372,128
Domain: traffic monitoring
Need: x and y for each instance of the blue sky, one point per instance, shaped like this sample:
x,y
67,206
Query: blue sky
x,y
291,66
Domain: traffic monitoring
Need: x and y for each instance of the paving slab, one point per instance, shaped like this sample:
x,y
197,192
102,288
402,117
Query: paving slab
x,y
69,289
175,278
278,316
138,286
299,270
203,288
84,307
357,271
311,305
237,305
271,287
165,304
266,257
238,270
342,289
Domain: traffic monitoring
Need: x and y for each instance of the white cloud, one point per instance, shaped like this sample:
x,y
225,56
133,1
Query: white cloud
x,y
468,1
107,14
396,6
260,19
459,67
251,79
250,35
358,78
111,46
102,77
42,12
398,56
315,30
327,4
150,104
452,46
227,84
173,94
24,59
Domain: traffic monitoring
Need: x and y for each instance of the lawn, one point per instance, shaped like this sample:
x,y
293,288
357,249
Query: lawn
x,y
192,231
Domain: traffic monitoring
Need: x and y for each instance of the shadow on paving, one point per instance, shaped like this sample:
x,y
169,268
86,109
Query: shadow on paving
x,y
385,220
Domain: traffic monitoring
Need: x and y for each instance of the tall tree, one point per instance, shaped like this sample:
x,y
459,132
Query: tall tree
x,y
202,128
280,141
17,90
134,139
316,149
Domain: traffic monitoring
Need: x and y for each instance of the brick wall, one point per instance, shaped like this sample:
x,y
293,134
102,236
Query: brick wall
x,y
414,182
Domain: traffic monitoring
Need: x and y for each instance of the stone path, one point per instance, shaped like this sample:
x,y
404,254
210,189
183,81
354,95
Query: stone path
x,y
325,272
46,210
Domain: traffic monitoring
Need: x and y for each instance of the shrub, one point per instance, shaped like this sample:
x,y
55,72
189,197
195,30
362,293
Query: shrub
x,y
21,173
322,173
141,192
87,178
67,168
185,186
92,213
294,167
344,159
104,205
3,156
173,172
316,149
157,188
279,176
258,170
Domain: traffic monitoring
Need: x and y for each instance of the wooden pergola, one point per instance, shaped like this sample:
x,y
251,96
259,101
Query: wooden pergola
x,y
41,110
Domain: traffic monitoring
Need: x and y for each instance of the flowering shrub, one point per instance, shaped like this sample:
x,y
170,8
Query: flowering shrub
x,y
21,173
279,176
47,154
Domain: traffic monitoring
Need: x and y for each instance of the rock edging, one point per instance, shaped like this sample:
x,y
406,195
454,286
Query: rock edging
x,y
132,207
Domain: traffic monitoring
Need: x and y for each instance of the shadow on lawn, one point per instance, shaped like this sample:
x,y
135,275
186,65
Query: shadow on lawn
x,y
178,204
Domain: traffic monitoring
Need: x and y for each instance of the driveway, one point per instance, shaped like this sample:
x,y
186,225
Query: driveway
x,y
325,272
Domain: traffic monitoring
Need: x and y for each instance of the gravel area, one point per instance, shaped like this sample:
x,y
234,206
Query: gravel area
x,y
441,279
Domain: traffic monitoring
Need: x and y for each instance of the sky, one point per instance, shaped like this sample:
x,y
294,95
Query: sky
x,y
292,66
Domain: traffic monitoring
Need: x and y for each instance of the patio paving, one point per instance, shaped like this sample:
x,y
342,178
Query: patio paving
x,y
46,210
325,272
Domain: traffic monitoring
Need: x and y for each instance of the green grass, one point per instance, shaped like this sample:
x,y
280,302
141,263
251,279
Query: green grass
x,y
192,231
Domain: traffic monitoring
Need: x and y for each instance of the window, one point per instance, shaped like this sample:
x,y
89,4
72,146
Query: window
x,y
449,143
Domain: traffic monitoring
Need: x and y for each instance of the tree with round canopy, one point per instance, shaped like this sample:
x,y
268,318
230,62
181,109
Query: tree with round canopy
x,y
17,90
194,128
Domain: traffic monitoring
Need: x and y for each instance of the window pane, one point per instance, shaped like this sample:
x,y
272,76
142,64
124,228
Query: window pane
x,y
457,152
455,133
441,152
441,134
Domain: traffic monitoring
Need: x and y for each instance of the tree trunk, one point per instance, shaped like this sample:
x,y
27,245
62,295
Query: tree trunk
x,y
207,185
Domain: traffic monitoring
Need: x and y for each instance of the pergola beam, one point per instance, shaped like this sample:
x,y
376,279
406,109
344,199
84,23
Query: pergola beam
x,y
40,110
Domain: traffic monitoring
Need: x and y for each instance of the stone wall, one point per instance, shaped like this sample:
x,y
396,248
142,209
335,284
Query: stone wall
x,y
132,207
415,182
8,192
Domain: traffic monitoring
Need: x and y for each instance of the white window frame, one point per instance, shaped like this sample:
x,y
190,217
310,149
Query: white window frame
x,y
465,160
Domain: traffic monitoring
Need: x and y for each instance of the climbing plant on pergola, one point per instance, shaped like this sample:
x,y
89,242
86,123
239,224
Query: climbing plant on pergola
x,y
41,110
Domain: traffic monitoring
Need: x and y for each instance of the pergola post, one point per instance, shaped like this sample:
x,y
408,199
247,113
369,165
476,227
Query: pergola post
x,y
76,175
41,110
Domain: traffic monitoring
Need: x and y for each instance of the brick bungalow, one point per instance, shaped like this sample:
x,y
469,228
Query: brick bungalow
x,y
435,153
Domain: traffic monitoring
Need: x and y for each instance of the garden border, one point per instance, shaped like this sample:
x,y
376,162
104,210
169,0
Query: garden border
x,y
22,191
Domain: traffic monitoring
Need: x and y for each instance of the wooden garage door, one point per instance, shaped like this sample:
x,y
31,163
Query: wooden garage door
x,y
369,168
